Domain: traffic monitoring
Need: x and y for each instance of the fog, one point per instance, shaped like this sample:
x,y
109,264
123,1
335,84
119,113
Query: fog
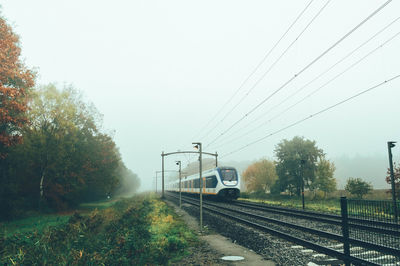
x,y
160,71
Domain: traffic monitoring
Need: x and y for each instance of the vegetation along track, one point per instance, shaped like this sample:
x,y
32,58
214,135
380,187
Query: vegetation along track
x,y
317,231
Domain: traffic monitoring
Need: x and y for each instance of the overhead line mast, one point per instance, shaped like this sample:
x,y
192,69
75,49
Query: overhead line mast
x,y
302,70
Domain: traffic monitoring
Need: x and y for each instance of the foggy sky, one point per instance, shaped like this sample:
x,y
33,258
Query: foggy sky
x,y
160,70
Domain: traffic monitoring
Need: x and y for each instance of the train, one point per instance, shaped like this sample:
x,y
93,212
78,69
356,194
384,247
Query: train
x,y
220,182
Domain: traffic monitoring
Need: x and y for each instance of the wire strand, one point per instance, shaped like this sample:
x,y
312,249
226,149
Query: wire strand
x,y
321,87
254,70
320,75
302,70
314,115
271,67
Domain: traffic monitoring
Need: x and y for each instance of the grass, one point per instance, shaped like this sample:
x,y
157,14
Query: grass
x,y
327,206
39,222
34,223
100,205
330,204
137,231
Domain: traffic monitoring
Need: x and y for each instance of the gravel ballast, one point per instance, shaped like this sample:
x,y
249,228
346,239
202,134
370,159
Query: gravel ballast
x,y
270,247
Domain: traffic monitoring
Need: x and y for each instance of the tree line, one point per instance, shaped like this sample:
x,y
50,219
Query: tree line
x,y
53,151
300,166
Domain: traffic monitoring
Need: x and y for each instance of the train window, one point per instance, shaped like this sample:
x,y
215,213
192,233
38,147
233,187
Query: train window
x,y
211,182
228,175
196,183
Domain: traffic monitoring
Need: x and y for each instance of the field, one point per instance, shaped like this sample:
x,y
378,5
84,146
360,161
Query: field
x,y
140,230
313,202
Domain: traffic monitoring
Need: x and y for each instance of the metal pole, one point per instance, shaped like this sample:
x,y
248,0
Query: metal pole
x,y
201,191
156,182
302,194
180,186
390,146
216,159
302,182
198,145
162,155
345,228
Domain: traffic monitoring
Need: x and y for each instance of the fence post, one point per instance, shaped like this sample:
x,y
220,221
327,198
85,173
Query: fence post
x,y
345,228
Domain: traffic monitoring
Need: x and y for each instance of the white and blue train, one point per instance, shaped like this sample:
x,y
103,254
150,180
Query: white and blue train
x,y
223,182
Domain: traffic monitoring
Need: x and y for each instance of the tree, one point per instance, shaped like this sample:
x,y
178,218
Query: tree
x,y
396,172
53,130
358,187
297,163
260,176
324,177
15,80
64,159
68,158
130,182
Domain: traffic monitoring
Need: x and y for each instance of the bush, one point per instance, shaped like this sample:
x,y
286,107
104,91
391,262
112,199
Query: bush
x,y
358,187
132,232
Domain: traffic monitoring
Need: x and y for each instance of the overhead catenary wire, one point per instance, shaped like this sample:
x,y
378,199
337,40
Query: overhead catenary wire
x,y
302,70
319,76
335,77
322,86
256,68
272,65
313,115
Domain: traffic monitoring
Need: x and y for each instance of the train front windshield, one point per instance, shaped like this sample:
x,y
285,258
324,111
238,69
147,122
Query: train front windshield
x,y
228,175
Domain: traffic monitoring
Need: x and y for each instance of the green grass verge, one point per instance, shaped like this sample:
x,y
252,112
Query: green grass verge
x,y
100,205
138,231
34,223
326,206
38,222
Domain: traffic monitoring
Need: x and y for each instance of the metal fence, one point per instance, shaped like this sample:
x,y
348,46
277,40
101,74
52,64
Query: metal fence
x,y
371,231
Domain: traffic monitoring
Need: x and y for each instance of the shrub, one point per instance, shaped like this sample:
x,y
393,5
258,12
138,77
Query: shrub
x,y
358,187
132,232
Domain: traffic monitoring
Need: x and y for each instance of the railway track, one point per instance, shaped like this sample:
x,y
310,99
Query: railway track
x,y
374,226
316,231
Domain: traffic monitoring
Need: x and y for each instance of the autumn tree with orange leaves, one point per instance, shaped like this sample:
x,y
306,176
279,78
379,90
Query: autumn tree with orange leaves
x,y
15,80
65,158
260,176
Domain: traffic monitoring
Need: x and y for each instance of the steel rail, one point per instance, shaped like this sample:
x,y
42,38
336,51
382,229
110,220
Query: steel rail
x,y
335,220
305,243
332,236
331,216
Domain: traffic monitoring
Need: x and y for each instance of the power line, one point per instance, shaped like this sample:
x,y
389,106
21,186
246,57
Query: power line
x,y
270,68
302,70
324,85
255,69
323,73
315,114
338,75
